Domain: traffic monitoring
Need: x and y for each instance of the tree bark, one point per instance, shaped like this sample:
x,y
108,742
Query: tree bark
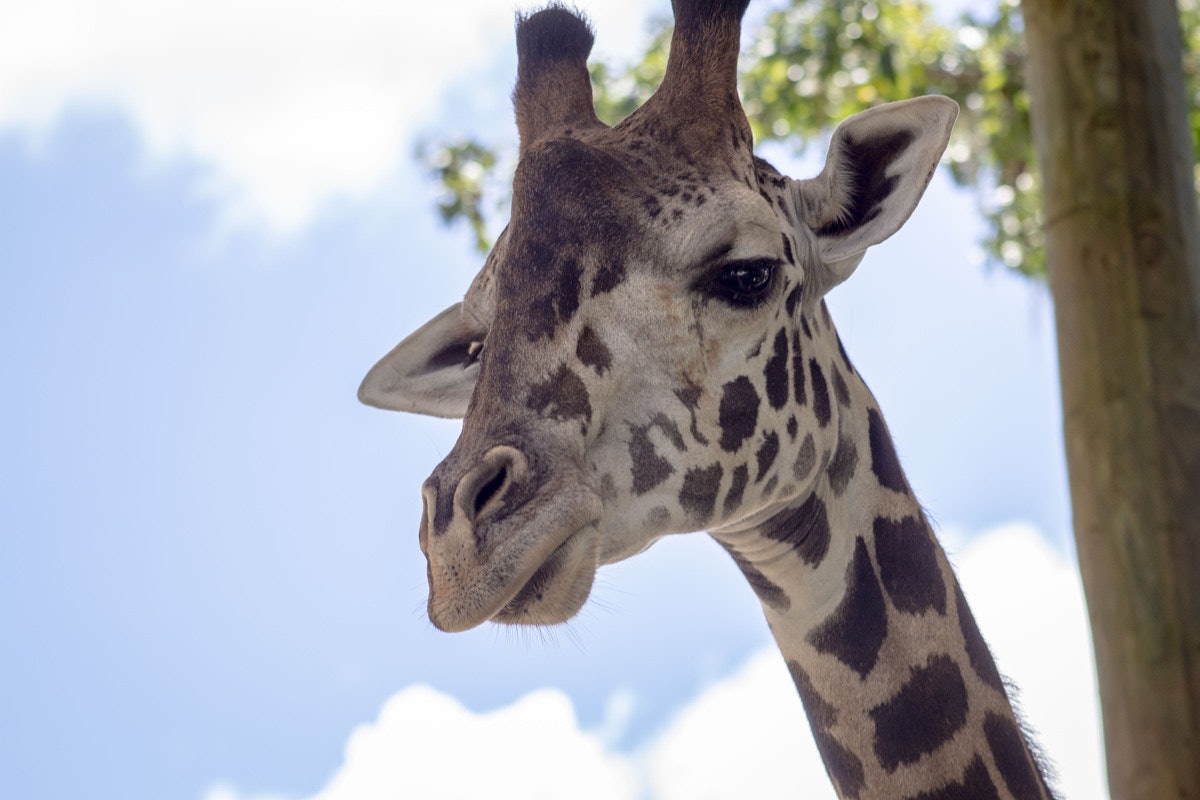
x,y
1109,108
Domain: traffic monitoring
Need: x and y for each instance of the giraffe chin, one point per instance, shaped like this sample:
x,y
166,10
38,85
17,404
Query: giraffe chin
x,y
560,587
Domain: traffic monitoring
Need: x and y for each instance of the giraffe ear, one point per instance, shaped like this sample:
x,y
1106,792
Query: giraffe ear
x,y
879,163
431,372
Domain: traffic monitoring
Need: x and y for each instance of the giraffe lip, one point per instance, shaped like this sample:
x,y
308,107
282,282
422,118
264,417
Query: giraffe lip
x,y
560,586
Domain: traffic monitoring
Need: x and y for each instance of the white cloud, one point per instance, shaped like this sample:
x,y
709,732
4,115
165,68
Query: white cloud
x,y
287,104
224,791
1029,604
744,736
426,745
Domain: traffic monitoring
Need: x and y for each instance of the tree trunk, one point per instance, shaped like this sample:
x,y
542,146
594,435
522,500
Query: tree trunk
x,y
1123,240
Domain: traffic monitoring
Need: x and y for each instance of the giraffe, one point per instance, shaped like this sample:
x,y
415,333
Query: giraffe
x,y
647,351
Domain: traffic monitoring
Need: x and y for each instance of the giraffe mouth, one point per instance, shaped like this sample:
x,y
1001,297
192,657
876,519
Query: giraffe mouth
x,y
559,587
533,567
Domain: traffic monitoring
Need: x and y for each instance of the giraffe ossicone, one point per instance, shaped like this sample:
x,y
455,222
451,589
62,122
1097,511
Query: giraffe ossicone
x,y
647,351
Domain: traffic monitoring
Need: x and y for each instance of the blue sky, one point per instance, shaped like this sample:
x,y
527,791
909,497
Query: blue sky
x,y
209,575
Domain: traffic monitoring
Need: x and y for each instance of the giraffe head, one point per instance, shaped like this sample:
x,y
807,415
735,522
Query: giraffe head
x,y
646,349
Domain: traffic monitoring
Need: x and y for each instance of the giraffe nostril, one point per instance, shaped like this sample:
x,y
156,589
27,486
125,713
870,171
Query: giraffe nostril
x,y
481,490
491,489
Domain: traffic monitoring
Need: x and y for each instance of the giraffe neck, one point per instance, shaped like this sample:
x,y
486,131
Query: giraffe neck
x,y
902,694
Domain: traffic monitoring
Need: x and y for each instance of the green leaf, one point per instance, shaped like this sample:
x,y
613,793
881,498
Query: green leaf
x,y
813,64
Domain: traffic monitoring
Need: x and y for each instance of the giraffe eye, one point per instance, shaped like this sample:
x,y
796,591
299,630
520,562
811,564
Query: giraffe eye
x,y
745,283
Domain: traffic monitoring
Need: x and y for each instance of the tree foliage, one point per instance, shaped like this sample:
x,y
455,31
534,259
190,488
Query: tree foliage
x,y
815,62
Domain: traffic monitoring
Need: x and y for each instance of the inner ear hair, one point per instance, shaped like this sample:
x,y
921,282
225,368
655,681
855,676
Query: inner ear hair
x,y
863,182
851,188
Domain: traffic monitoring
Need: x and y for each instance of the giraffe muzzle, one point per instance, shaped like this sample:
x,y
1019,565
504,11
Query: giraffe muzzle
x,y
509,543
